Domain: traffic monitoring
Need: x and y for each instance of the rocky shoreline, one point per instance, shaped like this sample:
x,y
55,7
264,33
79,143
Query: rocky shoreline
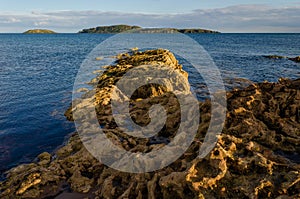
x,y
256,156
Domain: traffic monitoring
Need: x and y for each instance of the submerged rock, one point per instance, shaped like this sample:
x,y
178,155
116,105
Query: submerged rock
x,y
257,154
295,59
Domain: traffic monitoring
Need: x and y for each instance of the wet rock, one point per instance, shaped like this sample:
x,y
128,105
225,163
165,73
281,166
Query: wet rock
x,y
274,57
295,59
99,58
82,90
237,83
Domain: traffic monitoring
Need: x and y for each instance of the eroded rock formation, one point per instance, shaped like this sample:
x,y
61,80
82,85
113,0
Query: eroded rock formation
x,y
257,154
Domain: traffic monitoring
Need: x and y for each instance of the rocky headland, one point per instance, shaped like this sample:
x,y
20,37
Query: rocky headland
x,y
256,156
137,29
39,31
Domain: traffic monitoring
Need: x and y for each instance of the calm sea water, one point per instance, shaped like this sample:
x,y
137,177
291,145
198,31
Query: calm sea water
x,y
37,73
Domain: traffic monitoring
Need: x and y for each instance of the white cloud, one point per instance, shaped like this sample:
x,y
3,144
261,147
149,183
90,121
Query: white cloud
x,y
241,18
41,23
10,20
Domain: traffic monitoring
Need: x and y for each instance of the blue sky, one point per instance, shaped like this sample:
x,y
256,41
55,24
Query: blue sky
x,y
222,15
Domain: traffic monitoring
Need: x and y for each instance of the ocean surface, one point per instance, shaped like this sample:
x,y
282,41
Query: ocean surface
x,y
37,73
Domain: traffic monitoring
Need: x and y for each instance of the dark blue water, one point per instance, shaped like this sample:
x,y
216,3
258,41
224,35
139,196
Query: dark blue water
x,y
242,55
37,74
36,77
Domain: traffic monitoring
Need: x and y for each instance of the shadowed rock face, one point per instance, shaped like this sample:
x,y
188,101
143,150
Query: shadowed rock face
x,y
257,155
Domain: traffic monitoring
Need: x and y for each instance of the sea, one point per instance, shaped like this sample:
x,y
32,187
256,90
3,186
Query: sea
x,y
37,73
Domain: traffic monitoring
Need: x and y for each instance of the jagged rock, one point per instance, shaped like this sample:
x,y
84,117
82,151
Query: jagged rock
x,y
44,158
80,183
295,59
257,154
275,57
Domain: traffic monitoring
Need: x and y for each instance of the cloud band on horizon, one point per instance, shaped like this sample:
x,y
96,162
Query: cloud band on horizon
x,y
239,18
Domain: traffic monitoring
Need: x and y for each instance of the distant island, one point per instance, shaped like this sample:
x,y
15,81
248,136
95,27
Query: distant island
x,y
114,29
122,28
39,31
109,29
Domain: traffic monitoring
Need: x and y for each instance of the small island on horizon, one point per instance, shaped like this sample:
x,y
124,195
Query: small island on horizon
x,y
39,31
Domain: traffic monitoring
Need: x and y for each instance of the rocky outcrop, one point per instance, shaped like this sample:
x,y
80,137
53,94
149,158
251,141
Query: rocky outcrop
x,y
257,154
39,31
274,57
295,59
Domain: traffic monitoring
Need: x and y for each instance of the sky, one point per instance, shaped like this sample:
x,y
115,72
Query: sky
x,y
221,15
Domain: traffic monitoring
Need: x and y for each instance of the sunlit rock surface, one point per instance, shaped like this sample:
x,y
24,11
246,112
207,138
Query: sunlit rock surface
x,y
257,154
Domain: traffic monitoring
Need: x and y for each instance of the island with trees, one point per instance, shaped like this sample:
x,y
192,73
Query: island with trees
x,y
137,29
